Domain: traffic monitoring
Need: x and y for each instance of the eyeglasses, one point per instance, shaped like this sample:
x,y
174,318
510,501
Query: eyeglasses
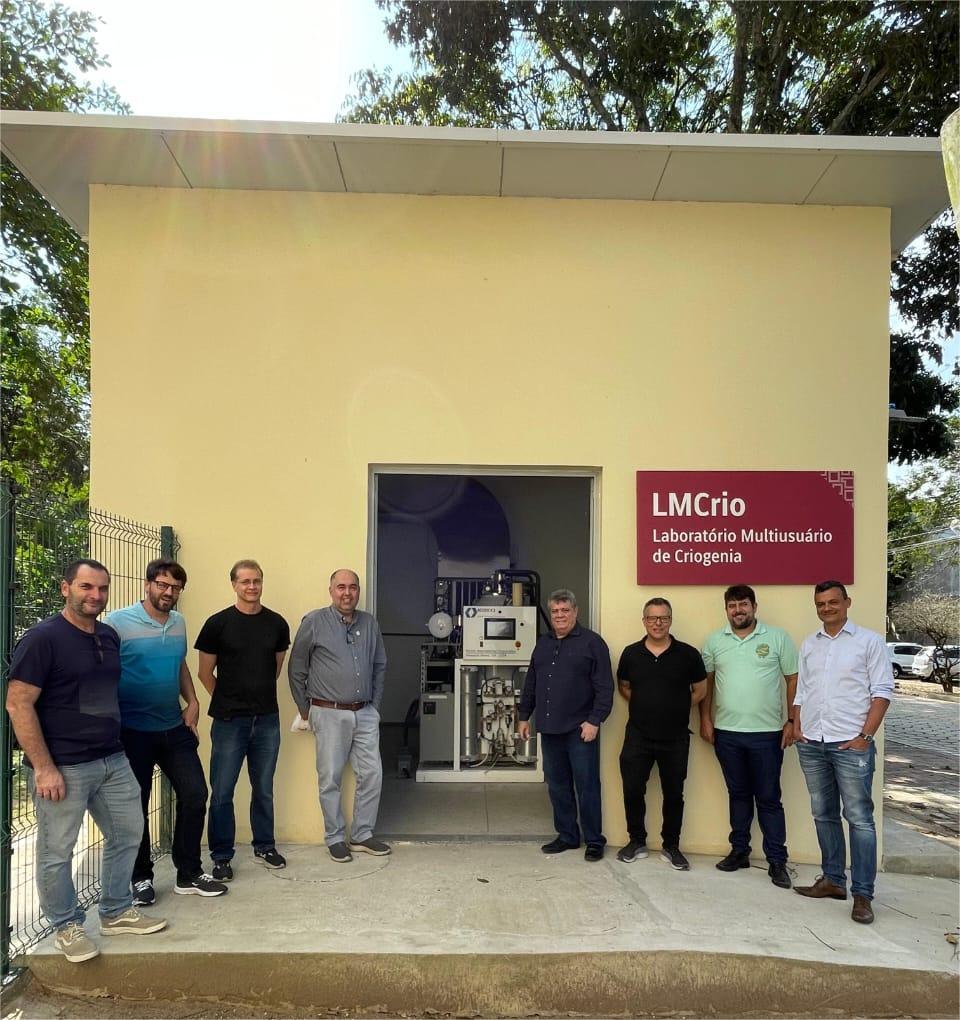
x,y
658,619
174,589
98,646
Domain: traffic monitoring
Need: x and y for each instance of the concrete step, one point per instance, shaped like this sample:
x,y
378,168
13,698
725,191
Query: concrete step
x,y
499,928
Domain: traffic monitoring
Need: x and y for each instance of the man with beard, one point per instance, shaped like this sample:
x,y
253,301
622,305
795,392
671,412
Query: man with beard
x,y
62,701
337,668
747,663
156,731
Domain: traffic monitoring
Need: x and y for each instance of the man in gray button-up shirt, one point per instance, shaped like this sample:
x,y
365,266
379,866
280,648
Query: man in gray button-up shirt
x,y
337,668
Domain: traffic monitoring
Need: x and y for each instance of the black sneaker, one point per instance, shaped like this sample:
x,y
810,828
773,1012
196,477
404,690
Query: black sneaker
x,y
593,853
144,894
633,851
202,885
734,860
376,847
674,858
270,858
557,846
222,871
779,875
340,853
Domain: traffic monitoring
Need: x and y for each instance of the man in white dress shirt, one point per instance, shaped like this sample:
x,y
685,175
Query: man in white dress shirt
x,y
843,692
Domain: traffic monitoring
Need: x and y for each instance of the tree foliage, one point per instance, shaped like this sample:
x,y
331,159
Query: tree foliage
x,y
870,67
44,311
938,617
923,512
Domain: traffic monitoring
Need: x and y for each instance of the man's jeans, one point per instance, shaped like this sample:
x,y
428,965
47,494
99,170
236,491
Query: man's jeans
x,y
751,764
107,789
571,766
636,762
833,776
256,738
175,752
342,735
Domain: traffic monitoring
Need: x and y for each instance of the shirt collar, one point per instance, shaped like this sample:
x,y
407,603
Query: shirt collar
x,y
573,632
849,627
759,629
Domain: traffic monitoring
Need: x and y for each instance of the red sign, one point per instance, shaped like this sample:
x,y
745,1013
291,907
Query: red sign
x,y
746,527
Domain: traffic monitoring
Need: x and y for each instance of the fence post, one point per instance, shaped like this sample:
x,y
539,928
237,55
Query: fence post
x,y
7,551
168,548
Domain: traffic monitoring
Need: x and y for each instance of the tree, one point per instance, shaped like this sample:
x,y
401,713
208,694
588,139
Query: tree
x,y
871,67
937,616
44,315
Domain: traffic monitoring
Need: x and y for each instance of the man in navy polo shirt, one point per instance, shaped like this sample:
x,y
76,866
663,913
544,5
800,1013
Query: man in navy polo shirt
x,y
569,685
661,678
62,701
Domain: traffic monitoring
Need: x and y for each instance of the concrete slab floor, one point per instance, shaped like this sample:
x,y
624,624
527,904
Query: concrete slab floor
x,y
501,928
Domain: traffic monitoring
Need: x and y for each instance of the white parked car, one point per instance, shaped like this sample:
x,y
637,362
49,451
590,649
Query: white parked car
x,y
926,660
908,659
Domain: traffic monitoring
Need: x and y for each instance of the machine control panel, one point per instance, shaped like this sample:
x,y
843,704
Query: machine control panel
x,y
499,632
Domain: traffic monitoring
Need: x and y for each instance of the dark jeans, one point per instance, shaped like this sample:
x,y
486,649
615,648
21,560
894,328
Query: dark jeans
x,y
256,738
636,762
751,764
571,766
175,752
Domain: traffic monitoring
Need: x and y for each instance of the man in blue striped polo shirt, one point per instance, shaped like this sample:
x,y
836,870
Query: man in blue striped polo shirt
x,y
156,731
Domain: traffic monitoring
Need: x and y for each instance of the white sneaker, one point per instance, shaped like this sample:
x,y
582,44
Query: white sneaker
x,y
74,943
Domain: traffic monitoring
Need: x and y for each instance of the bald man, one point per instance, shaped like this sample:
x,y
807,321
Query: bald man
x,y
337,669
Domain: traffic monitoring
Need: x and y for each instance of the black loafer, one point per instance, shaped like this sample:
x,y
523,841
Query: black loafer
x,y
557,846
594,852
779,875
734,860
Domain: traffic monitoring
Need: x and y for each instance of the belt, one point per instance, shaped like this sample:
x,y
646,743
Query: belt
x,y
346,706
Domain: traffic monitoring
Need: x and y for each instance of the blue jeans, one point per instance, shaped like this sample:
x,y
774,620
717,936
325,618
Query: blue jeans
x,y
571,767
108,789
256,738
751,764
834,777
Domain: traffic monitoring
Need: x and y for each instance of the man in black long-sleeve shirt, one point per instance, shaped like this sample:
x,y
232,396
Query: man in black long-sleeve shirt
x,y
570,686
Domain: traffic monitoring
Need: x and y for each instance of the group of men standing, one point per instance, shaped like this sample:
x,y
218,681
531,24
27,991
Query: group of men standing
x,y
97,706
756,697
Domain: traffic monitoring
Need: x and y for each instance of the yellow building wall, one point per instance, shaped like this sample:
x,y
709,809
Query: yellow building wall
x,y
255,352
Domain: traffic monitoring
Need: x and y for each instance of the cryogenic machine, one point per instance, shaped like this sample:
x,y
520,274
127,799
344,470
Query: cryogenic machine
x,y
470,696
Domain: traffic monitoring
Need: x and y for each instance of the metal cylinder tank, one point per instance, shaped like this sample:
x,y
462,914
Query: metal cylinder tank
x,y
469,714
526,749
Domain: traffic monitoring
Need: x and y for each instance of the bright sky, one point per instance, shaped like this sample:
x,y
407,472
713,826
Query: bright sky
x,y
285,60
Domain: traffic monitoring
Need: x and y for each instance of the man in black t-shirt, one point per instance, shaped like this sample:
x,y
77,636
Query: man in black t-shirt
x,y
661,678
242,650
62,702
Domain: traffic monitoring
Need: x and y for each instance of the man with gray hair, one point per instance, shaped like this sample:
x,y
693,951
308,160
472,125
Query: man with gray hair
x,y
570,687
337,669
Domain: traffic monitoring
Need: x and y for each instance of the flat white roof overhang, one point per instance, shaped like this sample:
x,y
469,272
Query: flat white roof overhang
x,y
63,153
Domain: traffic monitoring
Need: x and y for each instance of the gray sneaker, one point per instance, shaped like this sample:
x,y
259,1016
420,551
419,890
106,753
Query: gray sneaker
x,y
371,846
74,943
674,858
131,922
633,851
340,853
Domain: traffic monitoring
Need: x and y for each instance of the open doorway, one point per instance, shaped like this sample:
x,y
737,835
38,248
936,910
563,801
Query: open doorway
x,y
434,524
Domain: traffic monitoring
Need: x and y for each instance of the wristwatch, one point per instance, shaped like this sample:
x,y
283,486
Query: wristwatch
x,y
868,737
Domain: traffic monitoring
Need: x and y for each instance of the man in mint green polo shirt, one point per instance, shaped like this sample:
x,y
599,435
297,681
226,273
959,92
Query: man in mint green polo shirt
x,y
742,715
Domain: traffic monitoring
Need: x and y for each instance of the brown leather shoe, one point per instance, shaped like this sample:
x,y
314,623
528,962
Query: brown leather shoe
x,y
862,912
823,888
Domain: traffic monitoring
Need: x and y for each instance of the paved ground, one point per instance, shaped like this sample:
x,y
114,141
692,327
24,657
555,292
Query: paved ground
x,y
922,760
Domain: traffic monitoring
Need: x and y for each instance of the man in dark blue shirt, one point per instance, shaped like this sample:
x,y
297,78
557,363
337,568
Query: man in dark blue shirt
x,y
62,702
570,687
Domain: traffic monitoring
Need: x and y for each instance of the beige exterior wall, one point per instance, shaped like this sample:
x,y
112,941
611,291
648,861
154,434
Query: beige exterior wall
x,y
255,352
